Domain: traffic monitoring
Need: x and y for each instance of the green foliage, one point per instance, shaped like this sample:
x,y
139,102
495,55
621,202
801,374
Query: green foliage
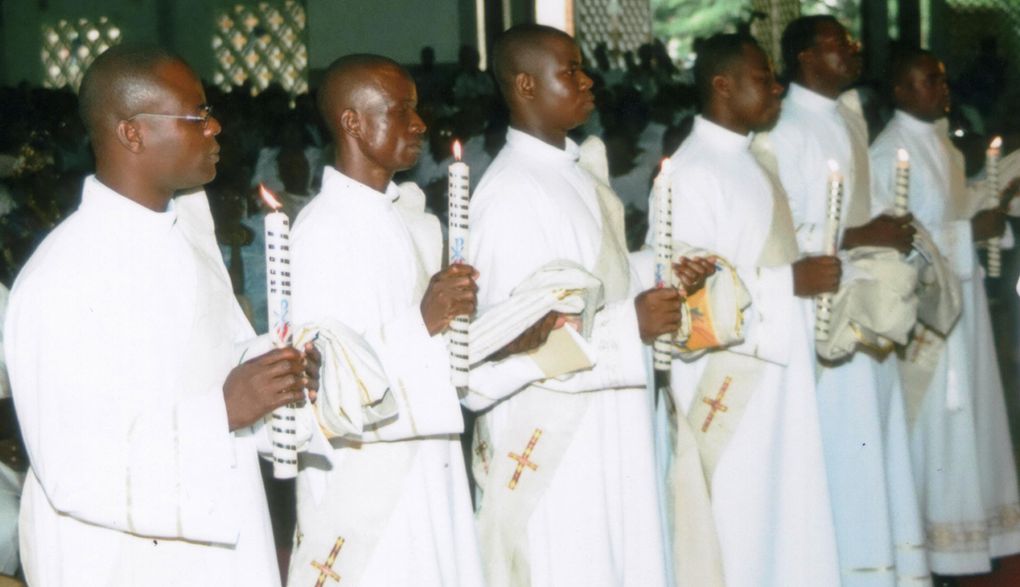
x,y
681,21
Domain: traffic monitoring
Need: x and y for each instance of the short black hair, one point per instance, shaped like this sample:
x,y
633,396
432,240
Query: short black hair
x,y
509,48
799,36
903,57
715,55
340,74
120,81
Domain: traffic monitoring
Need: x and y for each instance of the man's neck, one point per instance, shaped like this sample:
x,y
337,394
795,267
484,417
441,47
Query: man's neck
x,y
362,171
554,137
725,119
820,86
132,187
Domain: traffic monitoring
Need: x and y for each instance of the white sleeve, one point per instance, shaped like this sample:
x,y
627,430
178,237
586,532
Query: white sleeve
x,y
332,277
104,451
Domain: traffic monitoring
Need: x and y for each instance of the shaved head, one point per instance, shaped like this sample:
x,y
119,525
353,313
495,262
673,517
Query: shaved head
x,y
519,50
352,82
120,83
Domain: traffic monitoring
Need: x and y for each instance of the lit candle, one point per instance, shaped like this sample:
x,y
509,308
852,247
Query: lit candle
x,y
663,193
282,430
823,305
457,221
992,171
901,202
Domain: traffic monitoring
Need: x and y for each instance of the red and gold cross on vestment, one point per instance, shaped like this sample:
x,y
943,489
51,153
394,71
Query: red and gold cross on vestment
x,y
326,569
523,460
922,340
481,450
716,404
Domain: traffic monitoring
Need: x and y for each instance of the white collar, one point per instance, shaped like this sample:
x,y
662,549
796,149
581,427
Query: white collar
x,y
720,136
100,198
914,124
333,181
526,144
810,99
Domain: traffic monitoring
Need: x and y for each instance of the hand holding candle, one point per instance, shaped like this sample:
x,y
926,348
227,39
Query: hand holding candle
x,y
662,357
992,172
457,221
833,212
283,420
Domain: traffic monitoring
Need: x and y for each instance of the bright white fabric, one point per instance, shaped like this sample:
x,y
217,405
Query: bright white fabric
x,y
121,330
356,258
11,481
963,462
5,385
864,430
597,523
780,533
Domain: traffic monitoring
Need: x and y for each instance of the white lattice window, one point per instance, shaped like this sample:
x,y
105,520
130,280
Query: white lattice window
x,y
70,46
623,25
262,44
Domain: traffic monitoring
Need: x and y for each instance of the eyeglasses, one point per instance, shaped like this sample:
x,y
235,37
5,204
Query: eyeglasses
x,y
203,118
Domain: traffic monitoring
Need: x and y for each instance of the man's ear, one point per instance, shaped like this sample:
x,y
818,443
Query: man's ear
x,y
350,122
524,86
129,135
805,59
899,93
722,85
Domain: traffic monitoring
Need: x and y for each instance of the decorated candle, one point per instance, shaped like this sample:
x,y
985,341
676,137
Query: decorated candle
x,y
282,430
992,172
834,189
663,193
457,209
901,202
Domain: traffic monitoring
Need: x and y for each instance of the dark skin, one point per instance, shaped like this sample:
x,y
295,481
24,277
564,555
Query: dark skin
x,y
923,92
830,67
147,160
548,96
378,132
745,99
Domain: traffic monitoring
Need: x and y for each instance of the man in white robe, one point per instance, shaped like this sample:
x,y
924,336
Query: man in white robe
x,y
860,400
581,474
393,507
963,460
769,494
121,341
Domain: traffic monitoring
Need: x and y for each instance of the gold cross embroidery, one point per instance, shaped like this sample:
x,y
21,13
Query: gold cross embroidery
x,y
716,404
480,450
523,460
920,342
326,569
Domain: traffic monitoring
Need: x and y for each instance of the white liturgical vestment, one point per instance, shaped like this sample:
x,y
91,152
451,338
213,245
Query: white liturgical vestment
x,y
394,503
781,532
864,430
963,462
121,331
596,521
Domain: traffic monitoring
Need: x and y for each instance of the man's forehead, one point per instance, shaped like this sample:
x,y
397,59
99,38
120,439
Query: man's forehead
x,y
552,50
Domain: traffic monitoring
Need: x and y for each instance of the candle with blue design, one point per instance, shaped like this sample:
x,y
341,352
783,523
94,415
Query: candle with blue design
x,y
282,421
457,209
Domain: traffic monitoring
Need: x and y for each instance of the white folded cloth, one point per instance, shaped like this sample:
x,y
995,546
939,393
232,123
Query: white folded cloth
x,y
560,286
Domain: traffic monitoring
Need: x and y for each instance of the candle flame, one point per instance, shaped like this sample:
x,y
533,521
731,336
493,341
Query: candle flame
x,y
269,198
457,151
833,166
996,143
902,155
